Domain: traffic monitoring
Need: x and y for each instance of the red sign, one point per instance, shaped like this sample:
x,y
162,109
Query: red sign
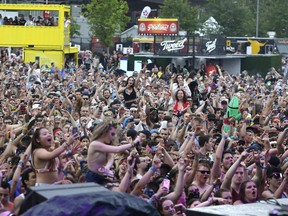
x,y
158,26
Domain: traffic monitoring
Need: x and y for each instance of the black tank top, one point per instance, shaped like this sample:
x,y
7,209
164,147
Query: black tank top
x,y
128,97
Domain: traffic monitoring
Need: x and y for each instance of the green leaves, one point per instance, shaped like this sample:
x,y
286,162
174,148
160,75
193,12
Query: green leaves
x,y
106,18
181,9
74,28
238,17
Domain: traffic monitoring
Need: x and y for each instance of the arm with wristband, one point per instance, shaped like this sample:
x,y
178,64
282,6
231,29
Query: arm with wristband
x,y
147,177
21,165
43,154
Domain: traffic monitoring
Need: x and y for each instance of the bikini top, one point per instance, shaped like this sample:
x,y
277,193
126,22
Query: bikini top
x,y
46,167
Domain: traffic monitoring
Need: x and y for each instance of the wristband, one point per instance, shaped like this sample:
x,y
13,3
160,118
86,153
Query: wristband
x,y
21,164
153,169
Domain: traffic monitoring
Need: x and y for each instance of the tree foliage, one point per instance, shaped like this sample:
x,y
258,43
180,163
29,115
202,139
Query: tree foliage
x,y
238,17
74,28
273,17
106,18
181,9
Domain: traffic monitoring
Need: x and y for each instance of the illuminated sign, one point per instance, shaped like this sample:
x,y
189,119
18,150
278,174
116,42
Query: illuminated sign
x,y
173,45
158,26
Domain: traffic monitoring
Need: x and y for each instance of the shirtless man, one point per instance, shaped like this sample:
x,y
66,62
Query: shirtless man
x,y
100,153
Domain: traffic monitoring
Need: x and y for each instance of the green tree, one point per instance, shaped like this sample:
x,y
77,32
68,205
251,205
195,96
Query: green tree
x,y
181,9
74,28
236,17
273,16
106,18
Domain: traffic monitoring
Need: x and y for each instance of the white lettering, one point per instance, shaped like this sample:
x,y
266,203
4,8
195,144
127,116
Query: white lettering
x,y
173,45
211,45
158,27
231,49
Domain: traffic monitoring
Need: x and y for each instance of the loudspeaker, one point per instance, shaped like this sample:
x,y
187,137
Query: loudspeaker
x,y
254,209
84,199
39,194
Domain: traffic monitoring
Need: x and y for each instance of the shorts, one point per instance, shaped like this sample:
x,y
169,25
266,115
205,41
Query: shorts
x,y
96,178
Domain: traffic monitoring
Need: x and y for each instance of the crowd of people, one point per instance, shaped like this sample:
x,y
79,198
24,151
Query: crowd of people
x,y
176,138
31,21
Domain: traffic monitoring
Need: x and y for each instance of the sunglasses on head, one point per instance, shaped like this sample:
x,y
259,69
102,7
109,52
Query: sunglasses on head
x,y
204,172
277,175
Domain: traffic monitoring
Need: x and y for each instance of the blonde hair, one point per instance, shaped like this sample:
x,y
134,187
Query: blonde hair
x,y
103,128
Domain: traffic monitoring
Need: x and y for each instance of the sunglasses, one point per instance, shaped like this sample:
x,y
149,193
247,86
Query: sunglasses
x,y
204,172
277,175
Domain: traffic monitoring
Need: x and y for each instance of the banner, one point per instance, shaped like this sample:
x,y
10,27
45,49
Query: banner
x,y
145,12
158,26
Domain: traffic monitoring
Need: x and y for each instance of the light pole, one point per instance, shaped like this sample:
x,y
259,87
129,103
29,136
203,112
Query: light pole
x,y
257,18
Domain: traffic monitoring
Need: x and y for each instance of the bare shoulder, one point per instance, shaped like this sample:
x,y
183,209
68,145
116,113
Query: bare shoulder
x,y
238,202
39,151
267,194
96,144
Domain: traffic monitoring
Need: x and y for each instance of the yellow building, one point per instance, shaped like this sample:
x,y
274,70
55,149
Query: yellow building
x,y
45,36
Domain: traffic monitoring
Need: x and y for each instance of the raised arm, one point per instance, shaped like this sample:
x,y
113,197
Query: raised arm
x,y
280,141
216,168
269,104
147,177
229,175
21,165
189,178
43,154
100,147
126,181
174,196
